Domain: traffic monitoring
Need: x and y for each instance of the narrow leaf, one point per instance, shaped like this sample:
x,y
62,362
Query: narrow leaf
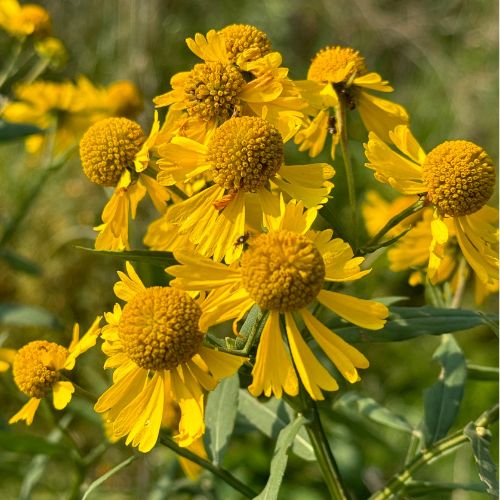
x,y
19,263
31,445
369,408
270,418
480,439
405,323
486,373
220,415
10,131
280,459
108,474
153,257
442,400
21,315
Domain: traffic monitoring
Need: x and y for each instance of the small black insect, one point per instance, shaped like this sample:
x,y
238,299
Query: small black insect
x,y
332,125
242,239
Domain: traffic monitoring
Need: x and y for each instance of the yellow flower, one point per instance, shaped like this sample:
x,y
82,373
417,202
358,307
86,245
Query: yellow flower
x,y
37,370
244,158
115,153
340,72
53,50
233,81
458,178
23,20
155,344
124,99
283,272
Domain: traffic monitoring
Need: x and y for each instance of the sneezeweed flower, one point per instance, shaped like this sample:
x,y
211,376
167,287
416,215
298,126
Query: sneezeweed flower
x,y
283,271
38,366
458,178
341,72
53,51
234,81
156,346
244,159
116,153
24,20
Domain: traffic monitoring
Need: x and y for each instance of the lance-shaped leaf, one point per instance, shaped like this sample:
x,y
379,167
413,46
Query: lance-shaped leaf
x,y
153,257
280,459
220,414
369,408
21,315
442,400
480,439
271,418
10,131
405,323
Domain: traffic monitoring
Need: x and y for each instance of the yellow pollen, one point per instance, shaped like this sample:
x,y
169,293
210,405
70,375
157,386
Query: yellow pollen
x,y
211,90
460,177
330,64
244,153
159,328
108,148
242,38
34,370
282,271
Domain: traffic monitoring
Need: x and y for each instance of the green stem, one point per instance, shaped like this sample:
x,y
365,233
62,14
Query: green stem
x,y
223,474
436,451
11,62
307,406
351,188
418,205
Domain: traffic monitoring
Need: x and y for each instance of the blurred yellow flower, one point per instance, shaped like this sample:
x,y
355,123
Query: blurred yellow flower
x,y
155,344
53,50
233,81
22,20
37,370
340,72
458,178
283,272
115,153
244,158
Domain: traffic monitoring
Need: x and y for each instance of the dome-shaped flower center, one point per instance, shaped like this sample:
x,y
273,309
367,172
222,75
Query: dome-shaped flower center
x,y
245,152
36,367
460,177
330,65
211,90
159,328
245,38
282,271
108,148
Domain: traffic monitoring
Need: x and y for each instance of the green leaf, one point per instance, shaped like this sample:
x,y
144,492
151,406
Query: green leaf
x,y
108,474
486,373
369,408
31,445
421,488
10,131
442,400
272,417
220,415
480,439
153,257
405,323
280,459
23,316
19,263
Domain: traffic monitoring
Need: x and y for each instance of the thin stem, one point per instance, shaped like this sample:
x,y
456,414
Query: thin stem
x,y
351,188
436,451
418,205
307,406
223,474
462,281
11,62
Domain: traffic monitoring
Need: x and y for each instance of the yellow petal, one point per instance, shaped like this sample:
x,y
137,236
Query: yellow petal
x,y
27,412
128,286
61,394
87,341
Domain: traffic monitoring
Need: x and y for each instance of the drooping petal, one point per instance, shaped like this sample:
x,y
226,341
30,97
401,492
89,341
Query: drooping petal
x,y
128,286
27,412
86,342
220,364
62,392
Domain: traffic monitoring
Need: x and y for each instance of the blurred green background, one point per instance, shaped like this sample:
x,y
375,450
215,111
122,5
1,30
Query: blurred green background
x,y
440,56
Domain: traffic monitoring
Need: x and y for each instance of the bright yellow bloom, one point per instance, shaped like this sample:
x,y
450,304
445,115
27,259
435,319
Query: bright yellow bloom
x,y
340,72
234,81
155,344
23,20
458,178
283,272
114,152
244,158
37,370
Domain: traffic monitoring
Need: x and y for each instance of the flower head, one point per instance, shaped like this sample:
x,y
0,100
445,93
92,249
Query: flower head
x,y
245,42
23,20
155,343
283,272
244,159
457,178
38,367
